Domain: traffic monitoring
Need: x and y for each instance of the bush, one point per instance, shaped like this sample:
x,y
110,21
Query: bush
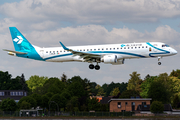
x,y
8,105
25,105
28,99
157,107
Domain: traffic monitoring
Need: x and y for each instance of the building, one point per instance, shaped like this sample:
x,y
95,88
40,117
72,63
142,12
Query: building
x,y
120,105
12,94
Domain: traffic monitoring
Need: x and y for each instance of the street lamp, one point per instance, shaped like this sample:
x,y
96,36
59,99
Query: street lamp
x,y
50,105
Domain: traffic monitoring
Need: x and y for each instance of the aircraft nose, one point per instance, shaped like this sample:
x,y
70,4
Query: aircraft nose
x,y
174,52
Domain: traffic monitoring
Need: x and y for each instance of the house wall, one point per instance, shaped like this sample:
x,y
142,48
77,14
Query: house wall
x,y
114,105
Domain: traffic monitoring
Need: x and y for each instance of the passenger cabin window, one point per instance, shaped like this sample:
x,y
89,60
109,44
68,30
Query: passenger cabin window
x,y
106,48
46,51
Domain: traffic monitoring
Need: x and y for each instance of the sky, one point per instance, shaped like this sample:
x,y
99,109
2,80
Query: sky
x,y
89,22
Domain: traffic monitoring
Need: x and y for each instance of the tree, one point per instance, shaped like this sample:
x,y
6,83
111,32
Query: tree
x,y
129,94
28,99
108,88
93,104
38,98
8,105
157,107
25,105
176,100
53,85
63,78
36,81
72,103
23,83
158,92
45,100
101,92
115,92
8,83
134,82
59,99
77,89
145,85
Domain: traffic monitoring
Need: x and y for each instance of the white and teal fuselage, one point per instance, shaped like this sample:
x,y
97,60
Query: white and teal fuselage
x,y
109,53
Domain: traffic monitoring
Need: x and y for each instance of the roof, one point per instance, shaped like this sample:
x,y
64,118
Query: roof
x,y
128,99
105,100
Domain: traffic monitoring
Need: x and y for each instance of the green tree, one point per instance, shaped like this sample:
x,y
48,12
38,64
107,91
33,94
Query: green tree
x,y
53,85
28,99
77,89
36,81
25,105
45,101
101,92
134,82
109,87
22,81
115,92
8,83
145,85
64,78
38,98
157,107
93,104
59,99
129,94
158,92
8,105
72,103
176,100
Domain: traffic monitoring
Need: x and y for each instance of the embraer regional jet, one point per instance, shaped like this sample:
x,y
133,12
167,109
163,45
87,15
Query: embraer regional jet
x,y
114,54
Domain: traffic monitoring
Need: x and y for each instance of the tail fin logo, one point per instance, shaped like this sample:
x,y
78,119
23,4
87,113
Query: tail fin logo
x,y
18,40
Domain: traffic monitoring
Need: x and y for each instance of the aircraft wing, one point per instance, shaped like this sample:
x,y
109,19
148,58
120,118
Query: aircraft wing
x,y
86,56
22,53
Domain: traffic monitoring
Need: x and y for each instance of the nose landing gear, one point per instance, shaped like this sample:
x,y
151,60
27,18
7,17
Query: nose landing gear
x,y
159,63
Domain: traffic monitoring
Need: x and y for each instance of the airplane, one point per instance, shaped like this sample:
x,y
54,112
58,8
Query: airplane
x,y
114,54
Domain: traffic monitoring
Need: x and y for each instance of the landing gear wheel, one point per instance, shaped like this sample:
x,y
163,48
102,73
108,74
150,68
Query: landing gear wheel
x,y
97,67
91,66
159,63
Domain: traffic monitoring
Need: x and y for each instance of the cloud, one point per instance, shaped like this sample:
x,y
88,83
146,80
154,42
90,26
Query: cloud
x,y
96,34
93,11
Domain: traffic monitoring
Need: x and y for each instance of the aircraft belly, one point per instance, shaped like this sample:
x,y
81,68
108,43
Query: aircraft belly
x,y
61,59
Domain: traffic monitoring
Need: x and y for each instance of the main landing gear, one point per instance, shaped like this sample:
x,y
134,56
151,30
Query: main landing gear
x,y
91,66
159,63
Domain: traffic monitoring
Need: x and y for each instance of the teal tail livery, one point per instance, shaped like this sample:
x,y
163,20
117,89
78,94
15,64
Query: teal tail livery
x,y
114,54
23,48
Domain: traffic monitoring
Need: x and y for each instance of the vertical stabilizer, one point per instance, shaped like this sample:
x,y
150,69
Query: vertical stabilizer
x,y
19,41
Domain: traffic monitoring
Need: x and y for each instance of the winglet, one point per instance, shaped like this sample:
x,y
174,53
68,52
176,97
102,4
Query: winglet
x,y
64,47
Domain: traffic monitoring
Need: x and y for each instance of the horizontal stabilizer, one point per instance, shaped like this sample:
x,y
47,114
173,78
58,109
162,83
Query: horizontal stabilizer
x,y
22,53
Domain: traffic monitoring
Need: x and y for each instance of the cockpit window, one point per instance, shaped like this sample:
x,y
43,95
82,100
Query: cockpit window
x,y
165,45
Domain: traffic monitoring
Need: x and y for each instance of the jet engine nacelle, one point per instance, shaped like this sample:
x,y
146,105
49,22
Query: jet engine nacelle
x,y
112,59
